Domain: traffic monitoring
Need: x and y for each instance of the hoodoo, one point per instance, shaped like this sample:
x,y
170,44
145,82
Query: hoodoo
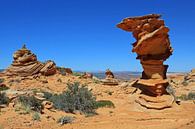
x,y
109,79
153,48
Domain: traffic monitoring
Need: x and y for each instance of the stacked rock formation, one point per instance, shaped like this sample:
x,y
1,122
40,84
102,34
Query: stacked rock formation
x,y
25,64
191,75
87,75
109,74
109,80
153,48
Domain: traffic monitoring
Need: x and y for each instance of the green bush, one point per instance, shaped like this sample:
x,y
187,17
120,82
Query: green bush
x,y
47,95
36,116
185,83
65,120
2,80
77,74
104,103
76,98
189,96
61,70
32,102
183,97
3,98
2,88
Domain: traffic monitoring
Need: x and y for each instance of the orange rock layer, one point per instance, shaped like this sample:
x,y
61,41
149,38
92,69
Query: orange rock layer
x,y
25,63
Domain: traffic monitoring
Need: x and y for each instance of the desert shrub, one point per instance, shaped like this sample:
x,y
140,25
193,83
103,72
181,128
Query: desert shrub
x,y
36,116
77,74
3,98
2,80
31,102
61,70
47,95
2,88
15,81
183,97
104,103
191,96
75,98
65,120
185,83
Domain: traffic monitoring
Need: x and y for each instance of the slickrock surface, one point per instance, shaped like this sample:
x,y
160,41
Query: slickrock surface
x,y
25,63
152,48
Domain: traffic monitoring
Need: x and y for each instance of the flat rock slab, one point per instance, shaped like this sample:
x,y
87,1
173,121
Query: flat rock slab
x,y
158,103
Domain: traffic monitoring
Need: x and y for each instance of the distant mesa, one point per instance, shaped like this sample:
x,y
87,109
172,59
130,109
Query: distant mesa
x,y
25,63
153,48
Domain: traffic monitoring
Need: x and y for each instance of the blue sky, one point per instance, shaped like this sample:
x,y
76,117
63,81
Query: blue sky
x,y
82,34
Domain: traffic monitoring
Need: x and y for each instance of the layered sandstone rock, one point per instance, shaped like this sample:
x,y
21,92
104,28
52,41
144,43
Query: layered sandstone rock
x,y
87,75
109,74
109,80
25,63
153,48
65,71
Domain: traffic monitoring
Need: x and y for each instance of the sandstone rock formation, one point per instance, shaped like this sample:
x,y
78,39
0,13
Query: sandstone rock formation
x,y
65,71
87,75
191,75
109,80
68,71
25,63
153,48
109,74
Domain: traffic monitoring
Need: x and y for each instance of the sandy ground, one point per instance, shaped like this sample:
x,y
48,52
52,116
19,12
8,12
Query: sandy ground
x,y
126,114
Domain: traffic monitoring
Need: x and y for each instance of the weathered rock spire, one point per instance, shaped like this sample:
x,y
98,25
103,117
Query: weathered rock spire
x,y
153,48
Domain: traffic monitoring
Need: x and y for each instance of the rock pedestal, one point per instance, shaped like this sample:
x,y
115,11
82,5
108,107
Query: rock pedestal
x,y
109,80
87,75
153,48
25,63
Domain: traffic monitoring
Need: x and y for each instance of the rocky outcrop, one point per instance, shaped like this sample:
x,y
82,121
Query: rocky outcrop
x,y
191,75
110,79
153,48
109,74
87,75
25,63
65,71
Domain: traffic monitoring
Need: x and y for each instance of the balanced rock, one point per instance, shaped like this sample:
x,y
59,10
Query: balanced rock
x,y
190,77
109,79
87,75
25,63
153,48
109,74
